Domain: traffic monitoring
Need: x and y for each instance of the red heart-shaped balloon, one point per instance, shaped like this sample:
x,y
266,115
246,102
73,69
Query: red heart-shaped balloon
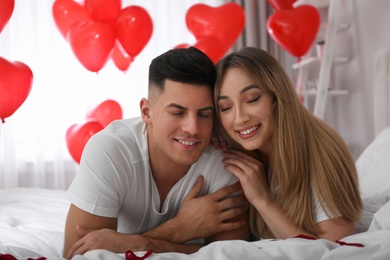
x,y
66,13
6,9
212,47
295,30
225,22
105,112
182,46
92,43
78,135
134,28
120,58
103,10
15,84
281,4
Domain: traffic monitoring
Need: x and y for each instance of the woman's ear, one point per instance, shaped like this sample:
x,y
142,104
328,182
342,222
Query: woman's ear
x,y
145,110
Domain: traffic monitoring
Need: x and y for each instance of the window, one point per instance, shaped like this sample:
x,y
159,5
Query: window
x,y
33,150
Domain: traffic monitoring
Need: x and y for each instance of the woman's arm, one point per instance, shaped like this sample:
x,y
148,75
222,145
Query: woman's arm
x,y
251,174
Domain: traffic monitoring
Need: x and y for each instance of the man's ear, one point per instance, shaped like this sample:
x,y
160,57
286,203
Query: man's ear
x,y
145,110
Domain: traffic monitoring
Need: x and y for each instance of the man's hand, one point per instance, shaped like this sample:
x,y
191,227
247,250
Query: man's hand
x,y
208,215
202,217
107,239
113,241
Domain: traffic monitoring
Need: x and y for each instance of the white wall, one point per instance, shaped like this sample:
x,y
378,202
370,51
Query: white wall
x,y
352,115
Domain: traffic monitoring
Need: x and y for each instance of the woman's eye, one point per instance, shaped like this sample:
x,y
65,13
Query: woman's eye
x,y
254,100
223,109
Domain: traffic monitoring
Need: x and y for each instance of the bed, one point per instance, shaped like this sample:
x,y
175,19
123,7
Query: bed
x,y
32,220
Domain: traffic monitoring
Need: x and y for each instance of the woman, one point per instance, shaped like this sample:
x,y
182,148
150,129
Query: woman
x,y
295,170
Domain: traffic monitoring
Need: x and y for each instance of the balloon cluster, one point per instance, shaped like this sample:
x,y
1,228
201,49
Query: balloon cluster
x,y
215,28
15,77
97,118
100,29
294,29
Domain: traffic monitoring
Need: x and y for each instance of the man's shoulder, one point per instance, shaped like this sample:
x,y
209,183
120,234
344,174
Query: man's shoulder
x,y
212,168
211,153
117,126
210,158
122,129
121,135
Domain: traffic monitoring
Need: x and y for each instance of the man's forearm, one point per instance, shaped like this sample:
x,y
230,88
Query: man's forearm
x,y
162,246
170,231
146,243
113,241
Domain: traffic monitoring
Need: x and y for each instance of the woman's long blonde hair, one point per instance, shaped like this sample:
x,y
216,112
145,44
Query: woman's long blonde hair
x,y
309,158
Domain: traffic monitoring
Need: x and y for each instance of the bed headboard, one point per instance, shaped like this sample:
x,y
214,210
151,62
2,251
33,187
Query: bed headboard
x,y
382,89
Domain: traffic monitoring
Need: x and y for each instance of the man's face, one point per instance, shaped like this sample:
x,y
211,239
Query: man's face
x,y
180,125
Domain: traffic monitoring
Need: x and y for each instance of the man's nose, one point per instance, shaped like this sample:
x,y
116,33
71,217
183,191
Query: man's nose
x,y
190,124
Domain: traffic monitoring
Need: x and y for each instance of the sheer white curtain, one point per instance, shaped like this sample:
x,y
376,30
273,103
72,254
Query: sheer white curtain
x,y
33,150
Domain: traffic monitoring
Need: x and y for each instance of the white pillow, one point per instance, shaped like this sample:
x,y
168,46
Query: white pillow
x,y
371,206
373,166
381,220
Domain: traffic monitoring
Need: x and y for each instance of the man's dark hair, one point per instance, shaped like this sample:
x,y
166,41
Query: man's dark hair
x,y
186,65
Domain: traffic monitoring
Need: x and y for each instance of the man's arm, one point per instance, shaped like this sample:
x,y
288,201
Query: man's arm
x,y
77,217
199,217
242,233
216,216
85,232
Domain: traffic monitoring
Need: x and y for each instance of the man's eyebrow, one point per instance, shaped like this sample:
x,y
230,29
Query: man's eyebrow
x,y
184,108
177,106
241,91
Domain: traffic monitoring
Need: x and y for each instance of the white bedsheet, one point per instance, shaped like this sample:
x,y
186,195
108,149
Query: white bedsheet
x,y
32,224
376,246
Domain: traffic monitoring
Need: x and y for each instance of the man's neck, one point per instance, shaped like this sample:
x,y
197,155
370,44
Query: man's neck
x,y
166,176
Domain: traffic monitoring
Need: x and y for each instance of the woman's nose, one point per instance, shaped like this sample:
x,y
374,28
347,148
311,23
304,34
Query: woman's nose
x,y
241,116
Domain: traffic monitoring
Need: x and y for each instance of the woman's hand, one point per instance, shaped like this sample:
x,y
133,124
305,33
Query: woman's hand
x,y
250,172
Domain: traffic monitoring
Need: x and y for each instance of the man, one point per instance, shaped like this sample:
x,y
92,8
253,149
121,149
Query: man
x,y
154,183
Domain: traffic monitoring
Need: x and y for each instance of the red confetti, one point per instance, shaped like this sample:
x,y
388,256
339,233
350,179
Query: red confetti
x,y
349,244
131,256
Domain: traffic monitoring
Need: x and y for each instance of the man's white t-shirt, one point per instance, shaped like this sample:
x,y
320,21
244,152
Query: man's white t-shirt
x,y
114,178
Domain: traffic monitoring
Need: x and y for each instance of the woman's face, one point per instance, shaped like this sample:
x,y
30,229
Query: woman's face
x,y
245,111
